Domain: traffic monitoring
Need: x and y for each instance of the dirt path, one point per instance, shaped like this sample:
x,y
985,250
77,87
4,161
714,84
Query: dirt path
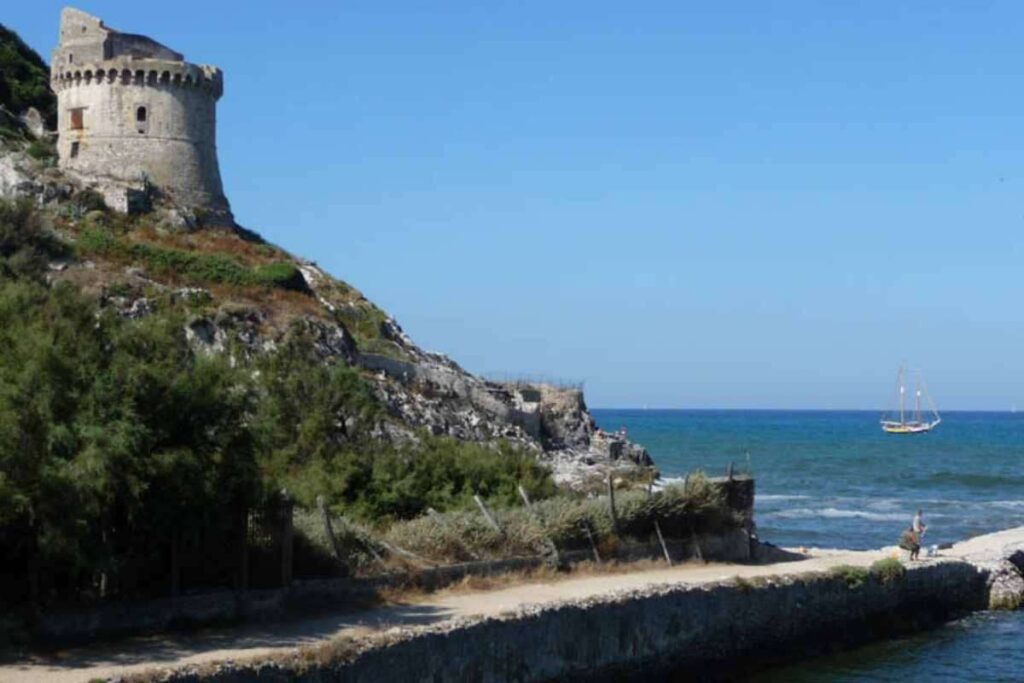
x,y
168,651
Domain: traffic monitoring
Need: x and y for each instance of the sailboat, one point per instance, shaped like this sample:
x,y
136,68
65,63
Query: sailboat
x,y
917,424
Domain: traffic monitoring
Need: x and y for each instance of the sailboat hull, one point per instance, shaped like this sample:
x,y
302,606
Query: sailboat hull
x,y
909,427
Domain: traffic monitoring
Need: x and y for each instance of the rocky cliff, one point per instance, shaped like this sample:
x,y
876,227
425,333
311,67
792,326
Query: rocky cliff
x,y
243,295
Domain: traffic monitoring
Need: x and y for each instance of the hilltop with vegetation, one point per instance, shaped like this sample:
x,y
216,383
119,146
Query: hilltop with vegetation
x,y
163,381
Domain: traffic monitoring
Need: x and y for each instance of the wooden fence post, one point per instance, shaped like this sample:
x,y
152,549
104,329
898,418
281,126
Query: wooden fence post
x,y
696,546
590,537
175,563
361,536
487,515
243,551
287,536
661,539
657,530
325,518
525,497
549,542
611,503
439,518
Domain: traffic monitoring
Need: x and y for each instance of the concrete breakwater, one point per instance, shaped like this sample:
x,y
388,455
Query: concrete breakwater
x,y
670,630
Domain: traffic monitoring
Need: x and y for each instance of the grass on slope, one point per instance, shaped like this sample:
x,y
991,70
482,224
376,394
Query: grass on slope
x,y
236,267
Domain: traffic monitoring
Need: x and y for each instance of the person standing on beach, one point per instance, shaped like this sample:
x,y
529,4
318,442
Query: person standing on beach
x,y
911,540
918,525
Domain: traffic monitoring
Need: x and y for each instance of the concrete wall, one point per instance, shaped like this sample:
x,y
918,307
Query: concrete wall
x,y
648,635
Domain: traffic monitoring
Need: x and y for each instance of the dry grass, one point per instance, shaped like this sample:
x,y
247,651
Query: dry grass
x,y
414,591
463,536
215,240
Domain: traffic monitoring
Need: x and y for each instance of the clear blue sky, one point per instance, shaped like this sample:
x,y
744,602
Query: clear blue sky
x,y
748,204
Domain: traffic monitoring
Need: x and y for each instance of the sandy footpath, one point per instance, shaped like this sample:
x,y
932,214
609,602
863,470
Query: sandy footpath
x,y
245,642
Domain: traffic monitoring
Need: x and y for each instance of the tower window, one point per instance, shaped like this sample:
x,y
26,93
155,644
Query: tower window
x,y
78,119
141,119
71,58
74,150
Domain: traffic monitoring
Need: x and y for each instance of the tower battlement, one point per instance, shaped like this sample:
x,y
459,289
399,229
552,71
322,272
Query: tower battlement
x,y
132,112
149,72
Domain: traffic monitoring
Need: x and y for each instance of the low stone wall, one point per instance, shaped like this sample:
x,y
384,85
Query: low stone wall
x,y
662,631
310,596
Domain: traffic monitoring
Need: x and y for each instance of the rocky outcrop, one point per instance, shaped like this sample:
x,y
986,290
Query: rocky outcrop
x,y
1000,557
430,391
420,390
24,177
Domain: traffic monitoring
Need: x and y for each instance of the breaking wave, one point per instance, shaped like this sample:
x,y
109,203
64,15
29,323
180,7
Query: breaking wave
x,y
836,513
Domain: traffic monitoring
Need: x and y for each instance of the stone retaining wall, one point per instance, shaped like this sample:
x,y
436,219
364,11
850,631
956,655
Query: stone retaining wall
x,y
662,631
304,596
309,596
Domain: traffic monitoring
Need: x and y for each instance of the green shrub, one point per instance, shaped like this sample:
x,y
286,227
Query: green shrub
x,y
282,276
24,78
195,267
87,200
26,245
743,584
42,150
363,319
459,536
888,570
855,577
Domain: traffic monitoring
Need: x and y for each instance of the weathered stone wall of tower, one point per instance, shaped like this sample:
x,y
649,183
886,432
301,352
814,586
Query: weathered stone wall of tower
x,y
138,113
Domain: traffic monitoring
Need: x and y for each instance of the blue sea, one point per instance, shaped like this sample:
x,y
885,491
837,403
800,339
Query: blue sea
x,y
834,479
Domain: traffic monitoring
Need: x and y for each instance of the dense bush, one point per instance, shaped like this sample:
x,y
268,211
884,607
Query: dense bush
x,y
855,577
680,512
121,448
24,78
26,245
888,570
87,200
280,275
112,437
43,150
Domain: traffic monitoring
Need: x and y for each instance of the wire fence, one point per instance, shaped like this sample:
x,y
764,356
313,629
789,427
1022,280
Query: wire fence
x,y
521,380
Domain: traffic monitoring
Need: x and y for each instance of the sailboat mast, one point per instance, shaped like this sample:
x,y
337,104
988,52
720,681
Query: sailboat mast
x,y
903,390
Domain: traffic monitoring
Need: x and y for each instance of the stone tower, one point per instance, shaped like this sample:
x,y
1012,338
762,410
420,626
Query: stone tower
x,y
132,113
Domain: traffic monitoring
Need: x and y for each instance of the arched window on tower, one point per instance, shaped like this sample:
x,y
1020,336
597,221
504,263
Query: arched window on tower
x,y
142,120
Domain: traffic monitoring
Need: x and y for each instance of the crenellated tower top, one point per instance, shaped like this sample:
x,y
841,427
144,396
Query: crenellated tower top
x,y
134,114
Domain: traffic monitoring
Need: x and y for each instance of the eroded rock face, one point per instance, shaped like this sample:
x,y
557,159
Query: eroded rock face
x,y
23,177
14,180
420,390
1006,586
1000,557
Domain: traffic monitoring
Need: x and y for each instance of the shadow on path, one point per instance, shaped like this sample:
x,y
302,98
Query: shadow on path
x,y
166,648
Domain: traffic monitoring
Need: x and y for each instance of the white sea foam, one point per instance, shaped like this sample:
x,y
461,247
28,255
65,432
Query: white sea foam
x,y
1010,504
836,513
